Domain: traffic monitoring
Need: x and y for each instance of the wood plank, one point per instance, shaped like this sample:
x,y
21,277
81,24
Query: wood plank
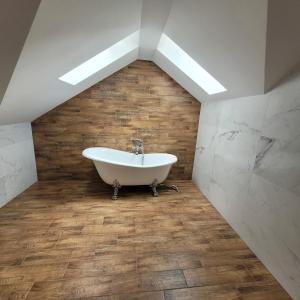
x,y
205,293
136,296
175,246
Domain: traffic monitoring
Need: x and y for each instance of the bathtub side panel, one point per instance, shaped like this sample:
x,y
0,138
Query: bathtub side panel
x,y
130,175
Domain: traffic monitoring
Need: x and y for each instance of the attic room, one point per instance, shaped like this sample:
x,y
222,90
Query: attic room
x,y
150,149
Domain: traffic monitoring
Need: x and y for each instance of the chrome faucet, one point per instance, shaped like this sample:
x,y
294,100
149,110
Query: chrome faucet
x,y
138,146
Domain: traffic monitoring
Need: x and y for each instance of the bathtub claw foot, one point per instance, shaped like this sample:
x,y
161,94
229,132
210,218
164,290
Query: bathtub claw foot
x,y
154,186
116,187
171,186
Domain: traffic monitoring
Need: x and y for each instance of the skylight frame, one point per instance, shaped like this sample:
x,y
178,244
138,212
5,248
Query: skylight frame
x,y
189,66
101,60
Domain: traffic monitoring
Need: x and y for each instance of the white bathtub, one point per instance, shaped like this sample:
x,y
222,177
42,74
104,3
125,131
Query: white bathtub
x,y
128,168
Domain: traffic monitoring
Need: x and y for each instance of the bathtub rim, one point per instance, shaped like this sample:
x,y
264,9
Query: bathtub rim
x,y
173,160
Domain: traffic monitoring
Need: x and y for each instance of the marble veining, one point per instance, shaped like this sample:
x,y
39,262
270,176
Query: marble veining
x,y
17,160
266,145
247,163
245,126
230,135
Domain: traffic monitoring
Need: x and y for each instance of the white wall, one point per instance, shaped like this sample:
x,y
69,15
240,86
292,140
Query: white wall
x,y
247,163
17,160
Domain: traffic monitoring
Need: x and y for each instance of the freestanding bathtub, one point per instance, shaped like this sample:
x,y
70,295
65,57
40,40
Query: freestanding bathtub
x,y
120,168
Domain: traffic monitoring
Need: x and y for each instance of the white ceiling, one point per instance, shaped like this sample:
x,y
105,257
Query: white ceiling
x,y
228,38
63,35
283,41
16,18
153,20
222,37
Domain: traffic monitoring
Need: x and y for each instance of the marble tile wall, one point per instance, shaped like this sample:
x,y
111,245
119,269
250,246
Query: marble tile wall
x,y
17,160
247,163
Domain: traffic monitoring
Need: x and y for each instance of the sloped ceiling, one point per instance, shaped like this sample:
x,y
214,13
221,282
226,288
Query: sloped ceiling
x,y
283,41
64,34
16,17
153,20
225,37
236,41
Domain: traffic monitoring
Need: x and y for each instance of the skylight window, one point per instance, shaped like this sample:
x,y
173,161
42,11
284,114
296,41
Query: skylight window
x,y
189,66
102,59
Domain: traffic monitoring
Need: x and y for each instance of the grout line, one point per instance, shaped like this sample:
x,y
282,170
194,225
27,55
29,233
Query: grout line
x,y
184,278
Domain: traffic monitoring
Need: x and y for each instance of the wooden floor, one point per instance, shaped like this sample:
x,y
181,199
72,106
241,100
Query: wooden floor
x,y
69,240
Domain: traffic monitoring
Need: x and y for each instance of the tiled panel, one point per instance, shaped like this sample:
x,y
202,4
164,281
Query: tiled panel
x,y
247,163
139,101
17,161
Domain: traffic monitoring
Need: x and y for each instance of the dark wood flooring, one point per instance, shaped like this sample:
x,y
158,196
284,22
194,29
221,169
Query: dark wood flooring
x,y
69,240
